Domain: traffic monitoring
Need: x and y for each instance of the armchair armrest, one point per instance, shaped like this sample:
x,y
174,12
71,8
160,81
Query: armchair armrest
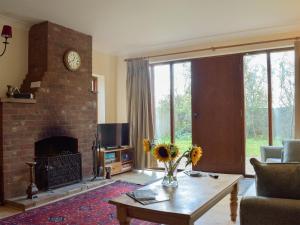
x,y
270,152
269,211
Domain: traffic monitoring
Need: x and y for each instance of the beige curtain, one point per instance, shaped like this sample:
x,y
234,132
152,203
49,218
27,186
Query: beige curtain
x,y
139,109
297,89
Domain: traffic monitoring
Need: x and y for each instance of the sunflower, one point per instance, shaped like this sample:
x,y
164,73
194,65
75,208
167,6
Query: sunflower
x,y
147,145
174,151
162,152
196,154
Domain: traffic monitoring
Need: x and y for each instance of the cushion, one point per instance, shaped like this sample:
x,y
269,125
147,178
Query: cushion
x,y
277,180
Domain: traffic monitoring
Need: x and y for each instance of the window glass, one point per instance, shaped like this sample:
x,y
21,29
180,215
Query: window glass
x,y
162,103
283,92
256,105
182,105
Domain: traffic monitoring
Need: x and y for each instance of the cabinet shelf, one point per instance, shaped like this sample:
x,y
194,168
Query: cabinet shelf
x,y
122,162
127,161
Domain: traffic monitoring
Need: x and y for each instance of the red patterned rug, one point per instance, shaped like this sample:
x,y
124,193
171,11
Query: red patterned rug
x,y
90,208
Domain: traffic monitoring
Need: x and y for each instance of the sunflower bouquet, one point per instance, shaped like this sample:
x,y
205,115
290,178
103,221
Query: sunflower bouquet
x,y
169,155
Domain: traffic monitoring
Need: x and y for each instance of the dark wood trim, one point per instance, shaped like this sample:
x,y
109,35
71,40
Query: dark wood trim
x,y
152,87
243,157
94,84
94,89
269,99
1,156
172,124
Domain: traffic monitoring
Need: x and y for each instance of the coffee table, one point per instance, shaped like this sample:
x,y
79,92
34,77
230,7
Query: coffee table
x,y
190,200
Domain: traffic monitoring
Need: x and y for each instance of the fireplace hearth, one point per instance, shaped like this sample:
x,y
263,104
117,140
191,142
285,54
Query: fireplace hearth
x,y
58,162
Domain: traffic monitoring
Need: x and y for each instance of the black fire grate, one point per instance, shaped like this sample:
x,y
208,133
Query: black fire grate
x,y
57,171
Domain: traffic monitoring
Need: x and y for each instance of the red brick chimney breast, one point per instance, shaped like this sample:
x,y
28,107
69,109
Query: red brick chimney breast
x,y
65,105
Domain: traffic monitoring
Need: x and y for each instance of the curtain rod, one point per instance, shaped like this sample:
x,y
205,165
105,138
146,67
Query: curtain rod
x,y
215,48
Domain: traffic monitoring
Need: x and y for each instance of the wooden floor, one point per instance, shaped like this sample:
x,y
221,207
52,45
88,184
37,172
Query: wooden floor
x,y
218,215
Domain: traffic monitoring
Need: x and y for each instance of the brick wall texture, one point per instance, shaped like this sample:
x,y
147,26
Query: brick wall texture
x,y
65,105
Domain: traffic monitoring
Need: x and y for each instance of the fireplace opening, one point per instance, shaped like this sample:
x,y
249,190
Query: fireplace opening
x,y
53,146
58,162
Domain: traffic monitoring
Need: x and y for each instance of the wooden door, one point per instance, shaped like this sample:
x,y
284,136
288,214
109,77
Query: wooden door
x,y
218,113
1,156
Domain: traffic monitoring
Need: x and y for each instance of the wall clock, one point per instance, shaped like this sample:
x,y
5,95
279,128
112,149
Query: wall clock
x,y
72,60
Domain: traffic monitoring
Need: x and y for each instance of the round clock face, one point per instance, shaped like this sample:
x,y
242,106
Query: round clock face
x,y
72,60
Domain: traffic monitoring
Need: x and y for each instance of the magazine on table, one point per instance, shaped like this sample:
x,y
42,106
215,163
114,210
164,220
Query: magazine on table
x,y
148,196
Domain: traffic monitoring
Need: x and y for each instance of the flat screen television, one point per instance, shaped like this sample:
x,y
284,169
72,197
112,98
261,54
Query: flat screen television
x,y
113,135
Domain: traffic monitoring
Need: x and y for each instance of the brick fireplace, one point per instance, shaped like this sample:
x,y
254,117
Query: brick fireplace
x,y
64,106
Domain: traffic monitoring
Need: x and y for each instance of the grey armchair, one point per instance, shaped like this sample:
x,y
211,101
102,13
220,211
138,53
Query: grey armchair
x,y
271,154
278,200
289,152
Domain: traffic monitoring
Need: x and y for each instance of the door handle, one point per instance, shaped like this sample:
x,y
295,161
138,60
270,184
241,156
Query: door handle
x,y
195,115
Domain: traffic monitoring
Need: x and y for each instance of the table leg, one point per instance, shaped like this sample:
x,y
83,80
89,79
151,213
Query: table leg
x,y
234,202
122,216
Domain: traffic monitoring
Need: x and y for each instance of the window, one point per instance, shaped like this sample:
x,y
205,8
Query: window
x,y
269,86
256,103
172,103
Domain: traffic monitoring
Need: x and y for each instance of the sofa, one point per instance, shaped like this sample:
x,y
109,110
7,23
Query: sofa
x,y
278,195
289,152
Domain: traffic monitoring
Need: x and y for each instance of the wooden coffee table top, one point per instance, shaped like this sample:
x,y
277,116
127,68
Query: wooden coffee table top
x,y
192,198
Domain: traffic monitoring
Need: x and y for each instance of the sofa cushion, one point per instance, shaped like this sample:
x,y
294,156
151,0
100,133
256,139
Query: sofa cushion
x,y
277,180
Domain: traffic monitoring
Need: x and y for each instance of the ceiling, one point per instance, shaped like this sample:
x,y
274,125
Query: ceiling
x,y
132,26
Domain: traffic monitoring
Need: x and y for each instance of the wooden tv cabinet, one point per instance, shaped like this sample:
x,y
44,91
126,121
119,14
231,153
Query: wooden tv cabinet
x,y
120,160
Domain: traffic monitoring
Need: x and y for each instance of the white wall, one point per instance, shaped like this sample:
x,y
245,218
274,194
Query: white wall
x,y
14,63
106,65
121,91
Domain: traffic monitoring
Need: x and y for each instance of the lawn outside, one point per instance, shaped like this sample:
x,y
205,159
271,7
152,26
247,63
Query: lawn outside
x,y
183,143
252,149
252,144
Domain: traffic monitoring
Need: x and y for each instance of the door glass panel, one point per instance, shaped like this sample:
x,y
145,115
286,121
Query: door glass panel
x,y
162,103
256,105
283,90
182,105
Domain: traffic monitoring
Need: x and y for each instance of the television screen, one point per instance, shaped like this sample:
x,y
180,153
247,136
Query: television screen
x,y
125,134
113,135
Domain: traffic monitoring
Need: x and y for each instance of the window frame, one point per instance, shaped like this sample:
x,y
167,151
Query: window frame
x,y
172,111
269,82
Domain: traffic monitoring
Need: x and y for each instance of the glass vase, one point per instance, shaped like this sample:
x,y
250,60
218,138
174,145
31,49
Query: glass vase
x,y
170,177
